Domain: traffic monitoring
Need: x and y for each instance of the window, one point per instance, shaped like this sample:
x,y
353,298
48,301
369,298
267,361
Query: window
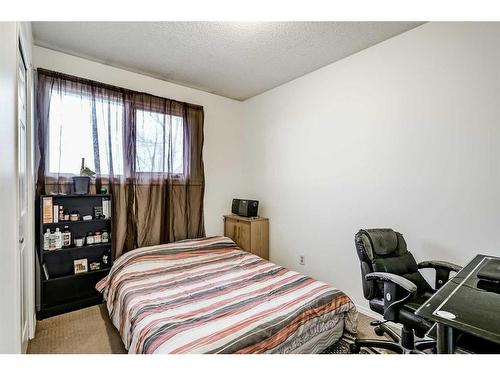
x,y
159,140
159,137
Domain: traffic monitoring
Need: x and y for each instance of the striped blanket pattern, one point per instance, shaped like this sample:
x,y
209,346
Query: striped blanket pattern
x,y
209,296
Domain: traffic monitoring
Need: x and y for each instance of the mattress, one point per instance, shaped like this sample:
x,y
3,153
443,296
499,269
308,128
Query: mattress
x,y
209,296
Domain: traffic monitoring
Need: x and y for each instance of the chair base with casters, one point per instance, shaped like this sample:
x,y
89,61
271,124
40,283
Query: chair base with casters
x,y
403,343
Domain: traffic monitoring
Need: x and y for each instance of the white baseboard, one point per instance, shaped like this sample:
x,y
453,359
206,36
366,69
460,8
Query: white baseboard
x,y
32,327
377,316
368,312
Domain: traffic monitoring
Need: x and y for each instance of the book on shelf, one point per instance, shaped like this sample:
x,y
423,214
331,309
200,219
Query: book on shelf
x,y
55,214
47,210
106,208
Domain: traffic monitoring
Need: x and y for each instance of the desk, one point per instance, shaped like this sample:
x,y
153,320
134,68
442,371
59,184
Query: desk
x,y
460,306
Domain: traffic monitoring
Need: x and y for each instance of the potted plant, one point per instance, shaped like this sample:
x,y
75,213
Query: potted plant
x,y
81,184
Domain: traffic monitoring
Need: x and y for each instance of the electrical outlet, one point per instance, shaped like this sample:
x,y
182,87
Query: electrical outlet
x,y
302,260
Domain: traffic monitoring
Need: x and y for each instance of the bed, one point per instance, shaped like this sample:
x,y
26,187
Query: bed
x,y
209,296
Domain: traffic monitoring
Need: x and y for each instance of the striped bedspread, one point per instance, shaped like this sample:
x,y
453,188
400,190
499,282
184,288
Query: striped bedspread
x,y
209,296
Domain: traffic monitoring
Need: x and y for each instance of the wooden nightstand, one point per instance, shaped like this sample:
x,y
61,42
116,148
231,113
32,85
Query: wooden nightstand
x,y
249,233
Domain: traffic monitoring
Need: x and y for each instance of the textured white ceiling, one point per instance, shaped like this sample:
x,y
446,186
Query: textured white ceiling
x,y
233,59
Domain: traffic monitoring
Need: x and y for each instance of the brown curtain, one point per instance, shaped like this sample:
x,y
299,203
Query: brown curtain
x,y
146,150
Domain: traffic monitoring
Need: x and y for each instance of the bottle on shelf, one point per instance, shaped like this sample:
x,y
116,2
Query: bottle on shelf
x,y
58,237
105,236
52,241
66,237
97,237
90,238
46,240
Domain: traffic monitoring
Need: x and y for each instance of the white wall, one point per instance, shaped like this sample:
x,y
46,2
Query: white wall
x,y
405,134
224,177
10,324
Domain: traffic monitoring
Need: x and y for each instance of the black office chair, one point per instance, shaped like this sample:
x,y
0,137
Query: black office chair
x,y
395,289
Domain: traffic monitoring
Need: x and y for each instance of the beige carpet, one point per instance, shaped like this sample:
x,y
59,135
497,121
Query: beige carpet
x,y
86,331
90,331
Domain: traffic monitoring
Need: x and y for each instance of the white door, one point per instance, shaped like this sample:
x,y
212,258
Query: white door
x,y
23,201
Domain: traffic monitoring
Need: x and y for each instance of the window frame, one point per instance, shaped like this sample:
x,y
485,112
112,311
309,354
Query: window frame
x,y
156,174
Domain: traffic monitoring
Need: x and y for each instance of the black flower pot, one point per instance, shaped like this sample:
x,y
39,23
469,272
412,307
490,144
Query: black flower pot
x,y
81,184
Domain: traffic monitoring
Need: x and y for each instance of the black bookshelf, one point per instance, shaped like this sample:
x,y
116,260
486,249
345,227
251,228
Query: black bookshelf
x,y
64,290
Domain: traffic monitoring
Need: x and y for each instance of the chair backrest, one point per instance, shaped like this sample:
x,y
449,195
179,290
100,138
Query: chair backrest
x,y
384,250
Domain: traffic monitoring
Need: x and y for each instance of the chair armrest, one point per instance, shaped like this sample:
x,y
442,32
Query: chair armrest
x,y
394,287
442,268
439,264
396,279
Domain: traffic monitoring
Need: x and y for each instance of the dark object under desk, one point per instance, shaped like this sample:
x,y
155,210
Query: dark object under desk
x,y
466,311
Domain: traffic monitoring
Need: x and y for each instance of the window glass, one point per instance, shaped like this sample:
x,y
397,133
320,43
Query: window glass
x,y
156,133
71,135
